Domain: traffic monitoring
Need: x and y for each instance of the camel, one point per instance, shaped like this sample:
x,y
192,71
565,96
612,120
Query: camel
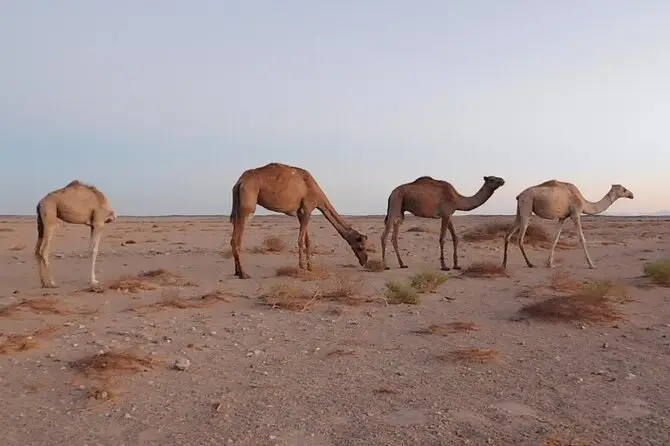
x,y
557,199
429,198
76,203
292,191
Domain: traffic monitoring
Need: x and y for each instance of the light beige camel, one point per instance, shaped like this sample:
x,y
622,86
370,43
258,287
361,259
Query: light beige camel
x,y
429,198
556,199
291,191
76,203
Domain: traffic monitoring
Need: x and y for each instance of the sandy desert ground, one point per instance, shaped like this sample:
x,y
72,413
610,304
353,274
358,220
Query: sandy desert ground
x,y
343,363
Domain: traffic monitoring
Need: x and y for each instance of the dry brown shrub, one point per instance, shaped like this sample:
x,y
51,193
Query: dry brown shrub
x,y
170,300
479,355
401,293
374,265
562,282
148,280
451,327
19,342
341,352
215,295
484,270
113,363
288,298
592,302
427,281
558,440
386,390
316,273
347,291
6,230
19,247
418,229
42,305
271,243
536,235
658,271
129,242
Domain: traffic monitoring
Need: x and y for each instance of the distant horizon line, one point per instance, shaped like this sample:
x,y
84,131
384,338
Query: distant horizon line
x,y
278,215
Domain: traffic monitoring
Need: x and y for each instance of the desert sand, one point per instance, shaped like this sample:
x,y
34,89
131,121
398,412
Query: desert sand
x,y
343,364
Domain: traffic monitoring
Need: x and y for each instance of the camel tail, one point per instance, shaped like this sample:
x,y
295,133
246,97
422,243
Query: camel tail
x,y
40,230
236,202
388,209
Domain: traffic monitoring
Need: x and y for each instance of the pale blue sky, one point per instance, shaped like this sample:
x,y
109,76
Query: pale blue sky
x,y
163,104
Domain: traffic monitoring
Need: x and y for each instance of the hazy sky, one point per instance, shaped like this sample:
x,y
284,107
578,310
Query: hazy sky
x,y
163,104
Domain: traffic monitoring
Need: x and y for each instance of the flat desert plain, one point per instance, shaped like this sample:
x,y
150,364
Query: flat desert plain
x,y
562,356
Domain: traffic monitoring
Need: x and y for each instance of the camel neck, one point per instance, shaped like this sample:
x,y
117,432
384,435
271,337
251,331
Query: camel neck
x,y
334,218
470,203
599,206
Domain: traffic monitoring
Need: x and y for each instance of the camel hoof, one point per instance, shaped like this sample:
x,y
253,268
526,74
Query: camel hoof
x,y
243,275
50,285
445,268
94,282
404,266
530,265
457,267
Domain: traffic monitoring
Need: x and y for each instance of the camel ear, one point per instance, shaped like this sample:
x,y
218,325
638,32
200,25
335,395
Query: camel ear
x,y
486,178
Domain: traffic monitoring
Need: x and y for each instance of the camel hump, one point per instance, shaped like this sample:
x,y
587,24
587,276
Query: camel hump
x,y
550,183
424,178
75,183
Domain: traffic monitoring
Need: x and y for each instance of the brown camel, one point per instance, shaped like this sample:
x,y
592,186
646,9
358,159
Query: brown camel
x,y
294,192
76,203
429,198
556,199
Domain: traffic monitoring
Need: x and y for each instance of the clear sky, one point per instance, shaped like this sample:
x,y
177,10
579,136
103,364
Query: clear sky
x,y
163,104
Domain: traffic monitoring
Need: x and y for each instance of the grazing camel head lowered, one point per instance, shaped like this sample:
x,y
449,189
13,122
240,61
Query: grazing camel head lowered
x,y
76,203
292,191
557,200
429,198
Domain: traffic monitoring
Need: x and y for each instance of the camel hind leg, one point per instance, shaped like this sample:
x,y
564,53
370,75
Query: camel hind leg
x,y
559,228
582,241
394,241
303,239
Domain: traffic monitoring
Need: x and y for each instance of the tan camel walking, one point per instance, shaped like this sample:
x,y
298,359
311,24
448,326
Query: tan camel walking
x,y
77,203
429,198
557,199
291,191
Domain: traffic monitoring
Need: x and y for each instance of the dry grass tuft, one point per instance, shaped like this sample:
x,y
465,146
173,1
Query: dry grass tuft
x,y
289,298
556,440
386,390
148,281
6,230
374,265
170,300
536,235
347,291
418,229
297,273
479,355
341,352
658,271
484,270
19,342
400,293
562,282
38,305
271,243
19,247
215,295
112,363
592,302
427,281
451,327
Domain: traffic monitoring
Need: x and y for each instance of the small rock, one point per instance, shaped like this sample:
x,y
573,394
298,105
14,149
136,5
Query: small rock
x,y
257,352
605,345
631,376
127,416
182,364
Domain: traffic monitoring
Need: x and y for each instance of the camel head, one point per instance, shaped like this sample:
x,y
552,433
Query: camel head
x,y
358,243
111,217
493,183
618,191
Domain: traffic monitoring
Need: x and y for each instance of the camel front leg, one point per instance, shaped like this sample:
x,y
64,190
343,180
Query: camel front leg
x,y
96,234
46,277
559,228
385,234
303,218
578,223
454,240
522,233
508,237
443,235
394,241
236,245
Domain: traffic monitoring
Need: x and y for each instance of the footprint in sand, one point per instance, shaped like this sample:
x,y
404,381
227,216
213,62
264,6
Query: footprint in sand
x,y
629,408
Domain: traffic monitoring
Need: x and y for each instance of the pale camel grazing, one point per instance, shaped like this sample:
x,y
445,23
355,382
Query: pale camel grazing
x,y
294,192
556,199
76,203
429,198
